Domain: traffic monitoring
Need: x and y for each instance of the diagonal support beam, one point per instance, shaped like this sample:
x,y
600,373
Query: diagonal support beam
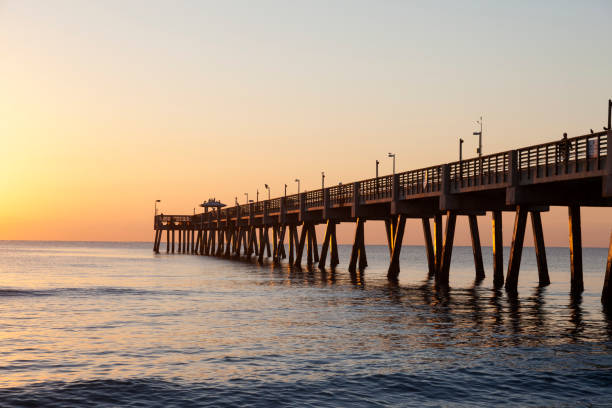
x,y
540,248
606,294
394,265
301,243
518,236
447,250
356,245
326,242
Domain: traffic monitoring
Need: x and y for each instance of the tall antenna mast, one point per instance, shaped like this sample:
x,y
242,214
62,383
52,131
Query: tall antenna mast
x,y
479,134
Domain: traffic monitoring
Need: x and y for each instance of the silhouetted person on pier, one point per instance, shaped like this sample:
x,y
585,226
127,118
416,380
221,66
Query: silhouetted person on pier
x,y
564,149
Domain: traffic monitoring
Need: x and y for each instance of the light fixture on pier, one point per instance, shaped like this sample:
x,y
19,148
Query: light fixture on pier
x,y
479,134
268,188
393,156
298,181
322,180
247,197
156,201
460,149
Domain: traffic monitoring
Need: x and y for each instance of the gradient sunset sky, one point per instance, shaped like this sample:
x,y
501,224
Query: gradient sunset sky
x,y
107,106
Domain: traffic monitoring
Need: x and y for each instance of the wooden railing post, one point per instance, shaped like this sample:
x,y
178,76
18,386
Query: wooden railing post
x,y
395,187
513,168
445,187
607,178
606,294
356,200
326,203
302,206
283,210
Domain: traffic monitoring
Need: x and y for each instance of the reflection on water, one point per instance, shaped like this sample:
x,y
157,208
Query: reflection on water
x,y
80,321
496,315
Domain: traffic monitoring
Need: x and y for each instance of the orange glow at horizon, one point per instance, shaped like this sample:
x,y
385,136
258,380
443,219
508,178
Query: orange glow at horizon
x,y
103,111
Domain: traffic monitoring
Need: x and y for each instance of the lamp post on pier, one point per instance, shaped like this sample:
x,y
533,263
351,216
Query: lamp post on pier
x,y
257,195
393,156
377,163
322,180
268,188
298,181
285,189
156,201
247,197
460,149
479,134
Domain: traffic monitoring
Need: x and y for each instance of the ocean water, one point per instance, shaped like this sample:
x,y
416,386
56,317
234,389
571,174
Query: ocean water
x,y
112,324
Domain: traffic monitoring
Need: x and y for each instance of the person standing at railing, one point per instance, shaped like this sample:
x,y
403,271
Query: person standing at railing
x,y
564,148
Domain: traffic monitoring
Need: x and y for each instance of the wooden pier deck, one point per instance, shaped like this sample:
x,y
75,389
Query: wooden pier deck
x,y
572,172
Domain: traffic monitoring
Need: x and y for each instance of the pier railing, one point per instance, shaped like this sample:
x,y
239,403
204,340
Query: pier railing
x,y
487,170
341,194
421,181
582,154
376,189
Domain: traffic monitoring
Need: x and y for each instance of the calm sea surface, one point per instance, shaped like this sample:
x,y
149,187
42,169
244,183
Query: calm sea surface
x,y
113,324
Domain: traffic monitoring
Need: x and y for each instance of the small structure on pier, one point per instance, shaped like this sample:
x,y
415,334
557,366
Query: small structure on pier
x,y
212,203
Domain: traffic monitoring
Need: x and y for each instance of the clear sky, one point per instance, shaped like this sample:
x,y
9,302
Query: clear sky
x,y
107,106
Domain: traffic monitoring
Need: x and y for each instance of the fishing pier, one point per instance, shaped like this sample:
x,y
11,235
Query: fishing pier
x,y
571,172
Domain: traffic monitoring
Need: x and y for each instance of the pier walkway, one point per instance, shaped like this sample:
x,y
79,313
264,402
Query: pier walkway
x,y
571,172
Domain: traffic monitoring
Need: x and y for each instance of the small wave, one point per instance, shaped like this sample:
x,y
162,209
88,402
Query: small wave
x,y
455,387
87,292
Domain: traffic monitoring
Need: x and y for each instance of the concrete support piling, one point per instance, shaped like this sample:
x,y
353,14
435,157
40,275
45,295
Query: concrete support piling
x,y
180,240
575,241
437,240
157,234
301,243
333,251
476,248
429,247
291,245
606,294
498,249
261,245
447,250
394,265
325,245
540,248
389,226
358,246
516,250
